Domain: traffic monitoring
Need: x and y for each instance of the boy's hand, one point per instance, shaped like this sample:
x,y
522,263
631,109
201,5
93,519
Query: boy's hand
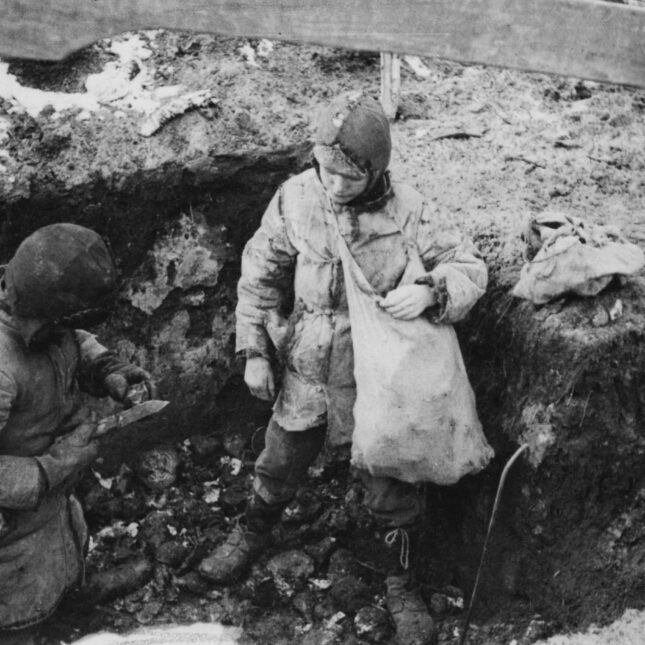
x,y
122,384
409,301
258,376
69,454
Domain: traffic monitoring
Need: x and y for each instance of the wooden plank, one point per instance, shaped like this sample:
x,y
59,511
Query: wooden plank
x,y
582,38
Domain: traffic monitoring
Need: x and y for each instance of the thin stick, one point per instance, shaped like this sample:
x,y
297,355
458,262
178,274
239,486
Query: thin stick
x,y
498,496
584,410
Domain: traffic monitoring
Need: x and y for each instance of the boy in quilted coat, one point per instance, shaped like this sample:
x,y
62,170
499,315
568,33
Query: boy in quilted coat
x,y
294,257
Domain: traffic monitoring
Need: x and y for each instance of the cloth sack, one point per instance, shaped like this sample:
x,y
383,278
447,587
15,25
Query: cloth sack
x,y
567,255
415,417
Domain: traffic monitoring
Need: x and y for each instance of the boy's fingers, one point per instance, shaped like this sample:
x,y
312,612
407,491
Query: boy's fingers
x,y
262,393
264,390
399,307
83,433
389,306
404,315
400,299
406,311
117,385
393,298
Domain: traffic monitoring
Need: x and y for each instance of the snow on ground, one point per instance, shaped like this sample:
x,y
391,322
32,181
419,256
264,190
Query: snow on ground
x,y
206,633
629,629
124,83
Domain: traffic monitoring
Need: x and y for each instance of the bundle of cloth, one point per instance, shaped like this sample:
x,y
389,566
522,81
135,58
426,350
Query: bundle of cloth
x,y
566,255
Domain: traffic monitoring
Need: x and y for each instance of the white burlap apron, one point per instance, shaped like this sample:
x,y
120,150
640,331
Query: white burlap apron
x,y
415,416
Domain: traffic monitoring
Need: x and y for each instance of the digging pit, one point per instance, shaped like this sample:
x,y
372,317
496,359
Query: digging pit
x,y
177,207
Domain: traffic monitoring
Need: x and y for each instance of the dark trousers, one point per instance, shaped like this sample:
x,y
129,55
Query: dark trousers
x,y
283,464
18,637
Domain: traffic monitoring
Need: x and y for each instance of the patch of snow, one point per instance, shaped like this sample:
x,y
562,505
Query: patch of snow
x,y
5,125
105,482
131,47
234,464
212,492
124,83
206,633
118,529
33,101
627,630
264,48
417,66
248,54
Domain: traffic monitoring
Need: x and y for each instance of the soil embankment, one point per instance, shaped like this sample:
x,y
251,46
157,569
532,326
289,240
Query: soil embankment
x,y
178,198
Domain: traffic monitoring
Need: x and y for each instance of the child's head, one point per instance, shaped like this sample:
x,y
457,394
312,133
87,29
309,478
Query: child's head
x,y
352,145
60,275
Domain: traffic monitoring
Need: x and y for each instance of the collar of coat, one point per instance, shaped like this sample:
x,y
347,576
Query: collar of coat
x,y
375,197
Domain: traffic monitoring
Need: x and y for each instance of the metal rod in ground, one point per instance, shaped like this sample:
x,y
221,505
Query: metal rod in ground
x,y
498,495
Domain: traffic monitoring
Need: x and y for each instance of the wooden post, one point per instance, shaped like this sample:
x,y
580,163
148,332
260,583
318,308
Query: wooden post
x,y
390,84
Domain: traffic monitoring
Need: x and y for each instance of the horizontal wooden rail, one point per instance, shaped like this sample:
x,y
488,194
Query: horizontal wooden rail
x,y
582,38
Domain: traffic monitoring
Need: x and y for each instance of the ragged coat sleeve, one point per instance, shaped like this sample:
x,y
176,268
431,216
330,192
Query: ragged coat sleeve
x,y
21,480
454,267
95,363
266,283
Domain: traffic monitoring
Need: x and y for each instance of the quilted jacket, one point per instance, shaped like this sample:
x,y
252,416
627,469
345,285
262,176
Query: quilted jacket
x,y
42,533
291,269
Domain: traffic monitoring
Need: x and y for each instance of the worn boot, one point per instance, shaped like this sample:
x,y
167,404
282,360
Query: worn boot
x,y
414,625
243,545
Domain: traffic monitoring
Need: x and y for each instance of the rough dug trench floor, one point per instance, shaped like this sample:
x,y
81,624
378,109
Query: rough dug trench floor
x,y
486,146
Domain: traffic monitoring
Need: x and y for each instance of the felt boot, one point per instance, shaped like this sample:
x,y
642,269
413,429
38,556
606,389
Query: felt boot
x,y
414,625
243,545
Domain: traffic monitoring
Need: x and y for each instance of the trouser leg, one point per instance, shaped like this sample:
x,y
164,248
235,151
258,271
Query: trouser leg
x,y
283,464
397,507
18,637
392,502
280,469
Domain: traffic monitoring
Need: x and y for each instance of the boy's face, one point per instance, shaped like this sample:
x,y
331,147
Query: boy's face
x,y
341,186
38,334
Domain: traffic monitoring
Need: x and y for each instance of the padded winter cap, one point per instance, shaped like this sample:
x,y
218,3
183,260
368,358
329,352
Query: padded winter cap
x,y
355,126
58,271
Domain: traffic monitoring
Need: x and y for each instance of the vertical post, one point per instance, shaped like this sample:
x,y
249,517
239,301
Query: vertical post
x,y
390,83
